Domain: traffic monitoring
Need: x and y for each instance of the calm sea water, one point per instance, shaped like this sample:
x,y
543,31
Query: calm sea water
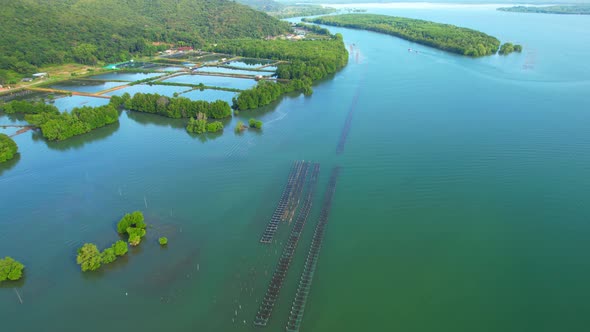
x,y
462,204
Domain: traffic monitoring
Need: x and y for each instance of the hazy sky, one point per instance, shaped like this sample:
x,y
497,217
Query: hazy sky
x,y
444,1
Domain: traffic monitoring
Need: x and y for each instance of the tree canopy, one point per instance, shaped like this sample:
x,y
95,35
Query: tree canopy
x,y
446,37
10,269
508,48
177,107
80,120
89,258
134,225
8,148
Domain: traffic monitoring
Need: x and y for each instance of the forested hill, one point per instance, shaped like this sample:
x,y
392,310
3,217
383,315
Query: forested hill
x,y
40,32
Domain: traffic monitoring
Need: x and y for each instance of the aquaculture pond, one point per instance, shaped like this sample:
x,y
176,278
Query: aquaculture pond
x,y
219,81
225,70
130,77
249,63
164,90
461,205
67,103
210,95
87,86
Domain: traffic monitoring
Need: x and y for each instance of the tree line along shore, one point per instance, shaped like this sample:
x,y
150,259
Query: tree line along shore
x,y
445,37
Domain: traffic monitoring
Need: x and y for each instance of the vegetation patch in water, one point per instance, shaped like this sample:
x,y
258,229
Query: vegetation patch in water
x,y
178,107
508,48
132,224
8,148
10,269
255,123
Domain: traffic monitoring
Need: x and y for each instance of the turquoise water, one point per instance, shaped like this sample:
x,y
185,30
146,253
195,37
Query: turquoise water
x,y
86,86
165,90
210,95
66,104
129,77
461,206
234,71
170,69
219,81
249,63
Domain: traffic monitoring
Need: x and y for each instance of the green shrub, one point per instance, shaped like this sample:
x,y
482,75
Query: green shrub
x,y
120,248
108,256
214,127
134,219
255,123
10,269
163,241
89,258
8,148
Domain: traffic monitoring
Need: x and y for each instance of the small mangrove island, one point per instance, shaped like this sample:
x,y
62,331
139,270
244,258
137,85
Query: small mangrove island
x,y
508,48
91,259
56,126
582,9
445,37
10,269
8,148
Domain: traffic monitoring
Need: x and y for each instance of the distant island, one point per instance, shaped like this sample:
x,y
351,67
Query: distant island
x,y
561,9
445,37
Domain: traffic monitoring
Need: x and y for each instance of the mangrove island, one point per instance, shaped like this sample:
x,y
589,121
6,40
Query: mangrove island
x,y
445,37
583,9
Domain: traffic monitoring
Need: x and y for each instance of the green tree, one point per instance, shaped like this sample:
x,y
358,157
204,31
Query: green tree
x,y
214,127
163,241
255,123
108,256
120,248
134,219
135,235
10,269
134,239
85,53
8,148
89,257
199,125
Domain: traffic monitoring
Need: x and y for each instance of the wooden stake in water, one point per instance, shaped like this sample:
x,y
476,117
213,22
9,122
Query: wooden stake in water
x,y
19,298
145,201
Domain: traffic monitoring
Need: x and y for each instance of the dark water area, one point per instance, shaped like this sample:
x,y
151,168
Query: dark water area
x,y
462,202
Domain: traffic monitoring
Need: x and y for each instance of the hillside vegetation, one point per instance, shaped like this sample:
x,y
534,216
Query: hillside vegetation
x,y
442,36
36,33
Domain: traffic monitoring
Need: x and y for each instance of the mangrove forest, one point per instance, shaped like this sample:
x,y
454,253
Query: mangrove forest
x,y
8,148
445,37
